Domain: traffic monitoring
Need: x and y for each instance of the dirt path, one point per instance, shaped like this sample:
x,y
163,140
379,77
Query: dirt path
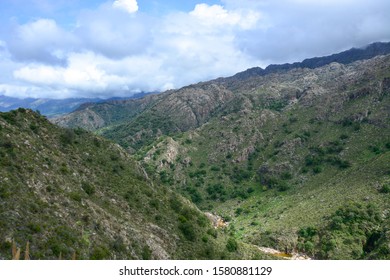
x,y
293,256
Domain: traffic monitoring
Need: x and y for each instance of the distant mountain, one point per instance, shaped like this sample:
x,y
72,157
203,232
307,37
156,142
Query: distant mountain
x,y
297,159
54,107
344,57
134,123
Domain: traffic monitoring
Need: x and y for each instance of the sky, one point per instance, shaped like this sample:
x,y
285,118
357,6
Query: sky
x,y
106,48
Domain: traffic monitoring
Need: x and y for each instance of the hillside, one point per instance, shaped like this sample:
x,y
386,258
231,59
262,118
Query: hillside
x,y
297,160
70,193
134,123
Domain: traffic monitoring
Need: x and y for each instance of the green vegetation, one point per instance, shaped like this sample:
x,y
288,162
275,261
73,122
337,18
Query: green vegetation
x,y
354,231
274,166
69,193
290,162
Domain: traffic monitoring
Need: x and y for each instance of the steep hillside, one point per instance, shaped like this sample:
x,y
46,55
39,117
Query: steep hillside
x,y
297,160
134,123
70,193
296,151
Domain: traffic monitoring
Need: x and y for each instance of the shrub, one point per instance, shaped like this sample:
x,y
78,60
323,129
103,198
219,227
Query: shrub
x,y
238,211
88,188
232,245
100,253
75,196
317,169
286,176
385,189
67,137
10,117
4,192
146,253
188,231
283,186
212,232
175,204
215,168
34,127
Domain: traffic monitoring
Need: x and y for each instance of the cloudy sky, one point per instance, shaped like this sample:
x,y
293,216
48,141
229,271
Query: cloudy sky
x,y
104,48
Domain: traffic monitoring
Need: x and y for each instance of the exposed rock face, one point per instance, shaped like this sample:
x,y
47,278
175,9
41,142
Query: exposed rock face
x,y
133,123
216,220
192,106
87,119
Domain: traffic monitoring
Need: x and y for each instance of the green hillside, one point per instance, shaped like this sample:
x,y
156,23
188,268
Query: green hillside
x,y
289,155
296,159
68,192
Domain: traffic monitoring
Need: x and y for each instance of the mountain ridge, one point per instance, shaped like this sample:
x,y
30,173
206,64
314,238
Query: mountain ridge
x,y
225,84
297,160
345,57
55,107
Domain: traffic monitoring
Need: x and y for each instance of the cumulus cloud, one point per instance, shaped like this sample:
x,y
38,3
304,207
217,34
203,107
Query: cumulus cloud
x,y
217,15
298,29
114,50
41,40
130,6
114,34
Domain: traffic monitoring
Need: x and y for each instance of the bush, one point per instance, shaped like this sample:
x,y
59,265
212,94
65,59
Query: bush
x,y
146,253
317,169
188,231
238,211
286,176
4,192
67,137
232,245
100,253
385,189
212,232
88,188
75,196
175,204
283,186
215,168
10,117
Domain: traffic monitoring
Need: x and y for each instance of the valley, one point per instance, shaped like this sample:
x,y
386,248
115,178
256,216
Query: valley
x,y
295,159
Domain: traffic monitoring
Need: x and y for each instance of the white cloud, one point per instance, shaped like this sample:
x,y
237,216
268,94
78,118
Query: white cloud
x,y
41,40
112,33
130,6
109,53
218,15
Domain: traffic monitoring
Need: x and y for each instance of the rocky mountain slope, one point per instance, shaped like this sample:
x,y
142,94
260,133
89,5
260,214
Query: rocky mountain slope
x,y
70,193
301,163
297,159
192,102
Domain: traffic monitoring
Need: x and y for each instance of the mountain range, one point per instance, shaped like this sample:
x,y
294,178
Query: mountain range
x,y
294,157
53,107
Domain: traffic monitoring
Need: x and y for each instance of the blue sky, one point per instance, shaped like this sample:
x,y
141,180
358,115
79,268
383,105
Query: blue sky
x,y
105,48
